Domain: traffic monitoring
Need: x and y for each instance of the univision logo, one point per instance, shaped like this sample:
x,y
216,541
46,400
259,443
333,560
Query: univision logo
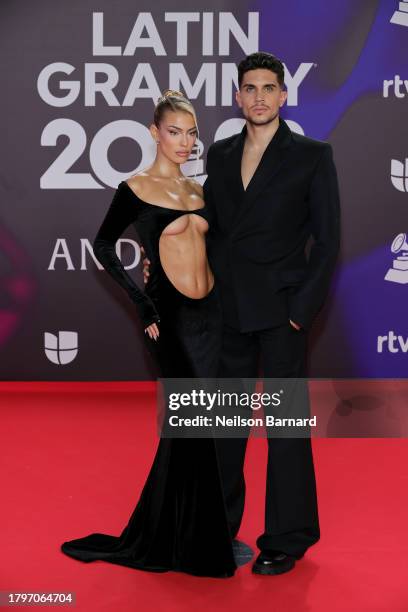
x,y
61,349
400,17
399,174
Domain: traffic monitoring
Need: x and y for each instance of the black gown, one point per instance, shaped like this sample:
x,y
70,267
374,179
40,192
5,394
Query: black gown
x,y
180,520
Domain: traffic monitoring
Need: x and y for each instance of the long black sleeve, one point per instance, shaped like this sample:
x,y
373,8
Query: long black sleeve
x,y
121,213
324,204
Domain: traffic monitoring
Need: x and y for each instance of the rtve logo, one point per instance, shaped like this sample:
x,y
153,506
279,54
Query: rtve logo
x,y
393,343
400,17
398,87
61,349
399,174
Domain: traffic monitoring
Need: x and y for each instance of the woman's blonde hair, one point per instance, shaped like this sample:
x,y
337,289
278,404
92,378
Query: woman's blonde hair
x,y
174,100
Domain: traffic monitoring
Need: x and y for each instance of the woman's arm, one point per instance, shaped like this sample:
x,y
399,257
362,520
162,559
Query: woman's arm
x,y
121,213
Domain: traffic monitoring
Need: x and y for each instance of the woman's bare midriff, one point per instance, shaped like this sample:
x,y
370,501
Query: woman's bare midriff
x,y
183,256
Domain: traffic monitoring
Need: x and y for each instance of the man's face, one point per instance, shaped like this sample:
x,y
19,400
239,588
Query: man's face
x,y
260,96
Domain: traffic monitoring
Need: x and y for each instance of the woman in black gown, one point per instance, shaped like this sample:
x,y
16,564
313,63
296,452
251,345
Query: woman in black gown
x,y
180,520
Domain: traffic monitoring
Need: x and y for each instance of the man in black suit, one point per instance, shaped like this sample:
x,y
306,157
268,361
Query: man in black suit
x,y
269,190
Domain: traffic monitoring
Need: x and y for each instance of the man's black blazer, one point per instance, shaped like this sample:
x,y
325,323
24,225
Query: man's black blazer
x,y
257,238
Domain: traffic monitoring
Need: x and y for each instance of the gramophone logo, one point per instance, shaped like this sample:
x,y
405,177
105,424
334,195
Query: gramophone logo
x,y
399,174
400,17
61,349
399,271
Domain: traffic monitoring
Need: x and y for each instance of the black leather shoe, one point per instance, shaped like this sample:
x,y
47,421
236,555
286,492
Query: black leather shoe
x,y
271,562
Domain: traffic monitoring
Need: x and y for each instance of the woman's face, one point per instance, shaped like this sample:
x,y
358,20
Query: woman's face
x,y
176,134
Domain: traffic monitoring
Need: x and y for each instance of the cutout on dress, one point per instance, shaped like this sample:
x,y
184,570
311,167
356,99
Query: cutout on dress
x,y
177,227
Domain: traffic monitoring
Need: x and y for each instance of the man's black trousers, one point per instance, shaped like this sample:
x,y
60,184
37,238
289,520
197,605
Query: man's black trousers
x,y
291,514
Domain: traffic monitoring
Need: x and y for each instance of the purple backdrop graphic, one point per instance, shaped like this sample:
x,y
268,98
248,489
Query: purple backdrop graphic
x,y
81,88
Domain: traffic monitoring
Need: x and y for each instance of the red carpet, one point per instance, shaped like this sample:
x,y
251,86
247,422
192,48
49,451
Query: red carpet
x,y
75,457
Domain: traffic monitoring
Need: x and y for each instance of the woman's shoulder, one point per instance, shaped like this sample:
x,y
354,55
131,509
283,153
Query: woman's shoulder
x,y
139,183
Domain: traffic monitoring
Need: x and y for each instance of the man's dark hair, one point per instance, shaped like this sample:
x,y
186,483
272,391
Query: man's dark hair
x,y
261,59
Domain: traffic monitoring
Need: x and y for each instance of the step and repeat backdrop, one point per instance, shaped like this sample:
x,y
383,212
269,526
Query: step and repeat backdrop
x,y
79,85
